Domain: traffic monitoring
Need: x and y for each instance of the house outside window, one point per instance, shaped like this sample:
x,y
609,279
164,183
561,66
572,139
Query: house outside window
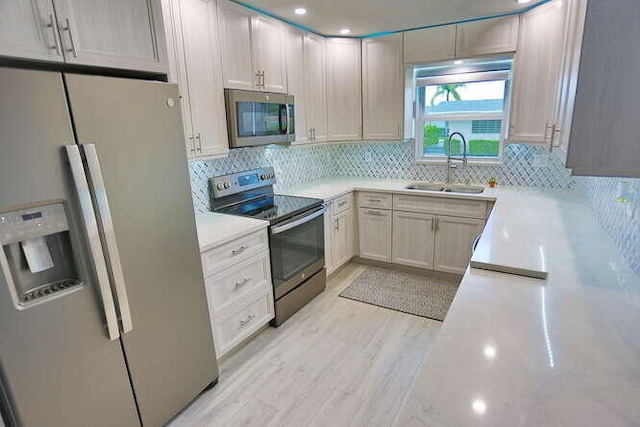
x,y
473,104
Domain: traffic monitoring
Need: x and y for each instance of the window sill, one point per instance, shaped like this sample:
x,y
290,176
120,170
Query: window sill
x,y
443,162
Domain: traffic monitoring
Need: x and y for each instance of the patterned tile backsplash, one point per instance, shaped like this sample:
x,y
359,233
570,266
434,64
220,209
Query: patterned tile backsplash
x,y
300,164
616,205
374,159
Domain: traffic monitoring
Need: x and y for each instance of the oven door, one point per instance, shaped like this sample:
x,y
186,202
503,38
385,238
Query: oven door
x,y
297,250
258,118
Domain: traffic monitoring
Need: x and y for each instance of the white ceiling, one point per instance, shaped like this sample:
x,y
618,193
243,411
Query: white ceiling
x,y
365,17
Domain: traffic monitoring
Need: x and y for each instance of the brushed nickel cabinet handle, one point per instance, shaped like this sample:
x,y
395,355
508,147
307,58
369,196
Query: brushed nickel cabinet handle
x,y
245,322
51,26
239,250
238,285
67,28
199,147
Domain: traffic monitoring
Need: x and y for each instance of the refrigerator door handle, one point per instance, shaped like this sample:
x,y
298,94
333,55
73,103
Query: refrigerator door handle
x,y
113,256
95,246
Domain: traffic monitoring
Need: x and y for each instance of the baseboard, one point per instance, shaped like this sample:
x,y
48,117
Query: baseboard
x,y
408,269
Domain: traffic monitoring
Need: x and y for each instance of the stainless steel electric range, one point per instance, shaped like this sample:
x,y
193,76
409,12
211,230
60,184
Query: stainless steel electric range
x,y
296,234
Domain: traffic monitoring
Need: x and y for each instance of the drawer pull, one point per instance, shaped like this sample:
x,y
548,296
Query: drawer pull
x,y
342,203
239,250
375,200
245,322
238,285
375,213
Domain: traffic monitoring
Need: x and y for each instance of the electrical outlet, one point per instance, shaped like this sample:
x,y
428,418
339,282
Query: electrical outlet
x,y
541,160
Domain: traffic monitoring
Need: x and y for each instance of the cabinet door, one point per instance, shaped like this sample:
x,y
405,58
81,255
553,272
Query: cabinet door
x,y
604,134
328,238
296,81
430,45
28,30
536,77
316,86
454,238
375,234
413,239
487,37
268,46
342,243
382,87
177,67
204,77
125,34
235,37
344,89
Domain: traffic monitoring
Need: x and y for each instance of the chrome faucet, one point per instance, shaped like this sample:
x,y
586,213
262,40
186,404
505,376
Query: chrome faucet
x,y
463,159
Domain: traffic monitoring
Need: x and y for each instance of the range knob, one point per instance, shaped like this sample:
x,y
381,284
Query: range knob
x,y
219,186
226,185
263,176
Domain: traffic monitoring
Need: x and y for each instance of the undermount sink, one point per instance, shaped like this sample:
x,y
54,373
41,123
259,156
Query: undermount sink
x,y
451,188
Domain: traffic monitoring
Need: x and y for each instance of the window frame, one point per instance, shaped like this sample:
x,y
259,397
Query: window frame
x,y
469,77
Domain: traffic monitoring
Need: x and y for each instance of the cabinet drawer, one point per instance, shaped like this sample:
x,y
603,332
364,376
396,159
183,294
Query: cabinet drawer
x,y
217,259
440,206
375,200
229,287
343,203
232,328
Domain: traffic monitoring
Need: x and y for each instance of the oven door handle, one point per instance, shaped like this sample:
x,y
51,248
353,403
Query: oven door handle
x,y
276,229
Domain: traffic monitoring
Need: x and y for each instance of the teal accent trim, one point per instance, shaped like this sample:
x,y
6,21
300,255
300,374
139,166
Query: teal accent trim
x,y
386,33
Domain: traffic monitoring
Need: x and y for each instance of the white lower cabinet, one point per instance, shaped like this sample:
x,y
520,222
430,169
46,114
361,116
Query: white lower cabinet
x,y
453,240
375,234
413,239
340,232
239,289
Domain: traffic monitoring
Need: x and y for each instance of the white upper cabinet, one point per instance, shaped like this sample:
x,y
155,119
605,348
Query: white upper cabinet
x,y
125,34
295,40
268,41
487,37
537,74
235,37
382,88
430,44
604,137
344,89
28,29
253,50
315,81
194,63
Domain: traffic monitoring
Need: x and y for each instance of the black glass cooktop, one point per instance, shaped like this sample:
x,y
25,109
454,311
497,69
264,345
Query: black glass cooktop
x,y
273,208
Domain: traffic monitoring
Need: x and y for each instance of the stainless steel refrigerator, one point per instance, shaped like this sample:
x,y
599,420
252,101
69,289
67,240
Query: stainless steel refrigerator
x,y
103,313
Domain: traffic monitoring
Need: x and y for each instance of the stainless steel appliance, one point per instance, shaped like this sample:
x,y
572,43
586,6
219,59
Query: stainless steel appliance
x,y
259,118
296,234
103,315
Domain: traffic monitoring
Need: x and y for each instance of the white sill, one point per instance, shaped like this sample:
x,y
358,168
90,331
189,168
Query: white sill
x,y
471,161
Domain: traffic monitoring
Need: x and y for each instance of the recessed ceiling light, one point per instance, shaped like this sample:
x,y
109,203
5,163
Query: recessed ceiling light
x,y
345,31
458,62
523,1
300,11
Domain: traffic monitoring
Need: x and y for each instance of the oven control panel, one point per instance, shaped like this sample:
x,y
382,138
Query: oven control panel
x,y
234,183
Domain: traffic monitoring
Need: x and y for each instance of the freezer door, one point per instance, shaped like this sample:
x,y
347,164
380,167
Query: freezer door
x,y
58,365
133,130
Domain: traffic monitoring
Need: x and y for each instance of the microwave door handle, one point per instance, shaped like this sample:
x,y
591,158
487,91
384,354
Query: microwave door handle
x,y
106,220
289,119
276,229
93,235
283,117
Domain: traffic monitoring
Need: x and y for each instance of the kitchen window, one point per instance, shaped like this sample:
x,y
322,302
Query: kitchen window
x,y
472,101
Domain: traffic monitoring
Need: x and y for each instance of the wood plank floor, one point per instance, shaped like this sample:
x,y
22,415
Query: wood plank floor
x,y
337,362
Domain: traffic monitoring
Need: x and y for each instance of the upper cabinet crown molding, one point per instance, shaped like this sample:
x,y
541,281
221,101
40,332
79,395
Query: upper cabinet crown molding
x,y
344,89
382,88
253,49
124,34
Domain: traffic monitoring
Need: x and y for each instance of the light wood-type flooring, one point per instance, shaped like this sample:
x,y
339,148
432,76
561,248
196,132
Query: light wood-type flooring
x,y
335,363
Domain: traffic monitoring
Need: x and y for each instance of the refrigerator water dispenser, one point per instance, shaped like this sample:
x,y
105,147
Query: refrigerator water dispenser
x,y
37,258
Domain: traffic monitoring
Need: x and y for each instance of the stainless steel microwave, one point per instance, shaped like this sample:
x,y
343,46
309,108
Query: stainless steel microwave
x,y
259,118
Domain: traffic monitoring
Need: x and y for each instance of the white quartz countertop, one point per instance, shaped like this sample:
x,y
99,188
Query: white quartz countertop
x,y
516,350
215,229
